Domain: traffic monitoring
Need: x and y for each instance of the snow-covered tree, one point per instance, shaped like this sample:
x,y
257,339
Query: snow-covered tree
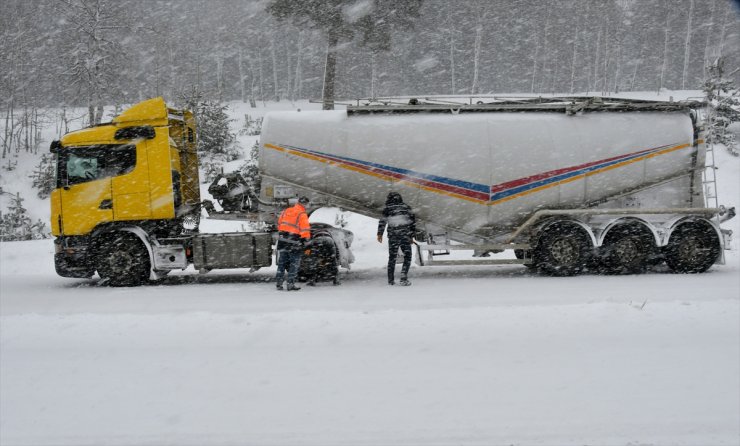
x,y
94,54
216,141
43,176
15,224
724,107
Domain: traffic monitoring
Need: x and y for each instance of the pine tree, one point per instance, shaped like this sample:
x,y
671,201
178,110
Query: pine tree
x,y
43,176
216,141
214,134
250,170
15,224
724,107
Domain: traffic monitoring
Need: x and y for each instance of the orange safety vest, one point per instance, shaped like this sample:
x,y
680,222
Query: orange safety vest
x,y
295,221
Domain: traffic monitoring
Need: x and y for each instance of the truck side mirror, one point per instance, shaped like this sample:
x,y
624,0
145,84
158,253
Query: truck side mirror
x,y
55,146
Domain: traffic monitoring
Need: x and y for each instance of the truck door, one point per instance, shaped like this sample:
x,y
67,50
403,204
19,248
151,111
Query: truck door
x,y
85,180
85,189
127,169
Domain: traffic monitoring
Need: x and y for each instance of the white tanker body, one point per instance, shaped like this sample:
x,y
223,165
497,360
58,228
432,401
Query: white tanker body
x,y
480,173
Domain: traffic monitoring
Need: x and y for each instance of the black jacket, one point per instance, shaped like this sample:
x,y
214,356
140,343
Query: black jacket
x,y
398,216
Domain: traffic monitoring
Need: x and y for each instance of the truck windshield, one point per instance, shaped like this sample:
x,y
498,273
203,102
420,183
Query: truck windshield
x,y
77,165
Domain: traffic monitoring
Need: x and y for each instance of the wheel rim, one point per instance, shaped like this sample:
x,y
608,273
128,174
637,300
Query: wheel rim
x,y
120,262
564,251
627,250
693,250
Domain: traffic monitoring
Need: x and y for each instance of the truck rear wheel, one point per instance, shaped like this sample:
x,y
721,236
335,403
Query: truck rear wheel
x,y
562,250
627,250
692,248
123,260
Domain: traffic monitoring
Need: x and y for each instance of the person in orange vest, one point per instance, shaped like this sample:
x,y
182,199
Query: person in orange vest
x,y
294,234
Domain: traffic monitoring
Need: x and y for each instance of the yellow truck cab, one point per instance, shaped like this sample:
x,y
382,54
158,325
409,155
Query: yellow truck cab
x,y
120,182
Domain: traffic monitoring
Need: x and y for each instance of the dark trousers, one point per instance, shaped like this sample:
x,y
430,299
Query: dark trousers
x,y
394,243
289,260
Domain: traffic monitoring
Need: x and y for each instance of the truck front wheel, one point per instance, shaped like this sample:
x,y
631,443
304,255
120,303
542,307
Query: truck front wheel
x,y
123,260
562,250
692,248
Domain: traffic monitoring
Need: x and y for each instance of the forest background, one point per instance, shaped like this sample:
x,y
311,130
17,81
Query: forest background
x,y
82,52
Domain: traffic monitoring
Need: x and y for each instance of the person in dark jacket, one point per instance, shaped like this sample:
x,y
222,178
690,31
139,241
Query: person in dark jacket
x,y
401,226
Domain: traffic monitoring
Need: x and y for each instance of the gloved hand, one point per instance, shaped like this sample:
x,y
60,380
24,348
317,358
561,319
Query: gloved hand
x,y
380,238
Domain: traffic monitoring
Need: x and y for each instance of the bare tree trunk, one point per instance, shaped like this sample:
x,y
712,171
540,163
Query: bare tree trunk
x,y
618,50
273,54
262,71
173,84
26,125
728,11
639,62
288,94
330,72
687,46
545,57
241,75
709,26
220,76
596,58
607,59
536,52
253,86
474,89
373,74
573,59
91,113
298,72
156,70
452,60
7,132
665,45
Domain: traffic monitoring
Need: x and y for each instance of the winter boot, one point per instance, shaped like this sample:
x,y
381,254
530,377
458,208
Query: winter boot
x,y
292,287
279,286
405,281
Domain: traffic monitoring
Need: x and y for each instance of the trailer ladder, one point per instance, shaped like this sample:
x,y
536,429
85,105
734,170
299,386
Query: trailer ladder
x,y
709,181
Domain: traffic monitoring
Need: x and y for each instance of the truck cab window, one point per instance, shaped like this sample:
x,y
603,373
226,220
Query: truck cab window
x,y
82,164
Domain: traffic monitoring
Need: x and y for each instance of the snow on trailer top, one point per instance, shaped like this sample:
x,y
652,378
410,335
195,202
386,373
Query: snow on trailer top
x,y
568,105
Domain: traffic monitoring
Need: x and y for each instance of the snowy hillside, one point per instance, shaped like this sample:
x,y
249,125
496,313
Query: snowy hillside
x,y
466,355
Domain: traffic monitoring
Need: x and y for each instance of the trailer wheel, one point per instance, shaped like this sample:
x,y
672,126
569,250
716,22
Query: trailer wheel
x,y
692,248
627,250
562,250
122,260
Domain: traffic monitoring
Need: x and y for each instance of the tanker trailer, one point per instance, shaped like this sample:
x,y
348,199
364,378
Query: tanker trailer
x,y
567,183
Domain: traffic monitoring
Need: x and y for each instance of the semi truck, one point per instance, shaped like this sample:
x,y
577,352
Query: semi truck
x,y
566,184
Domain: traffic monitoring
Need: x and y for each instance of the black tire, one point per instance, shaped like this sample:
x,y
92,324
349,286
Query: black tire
x,y
627,250
322,263
122,260
562,250
693,248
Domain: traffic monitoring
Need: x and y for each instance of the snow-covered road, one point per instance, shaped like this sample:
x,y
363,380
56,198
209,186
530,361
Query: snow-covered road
x,y
464,356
